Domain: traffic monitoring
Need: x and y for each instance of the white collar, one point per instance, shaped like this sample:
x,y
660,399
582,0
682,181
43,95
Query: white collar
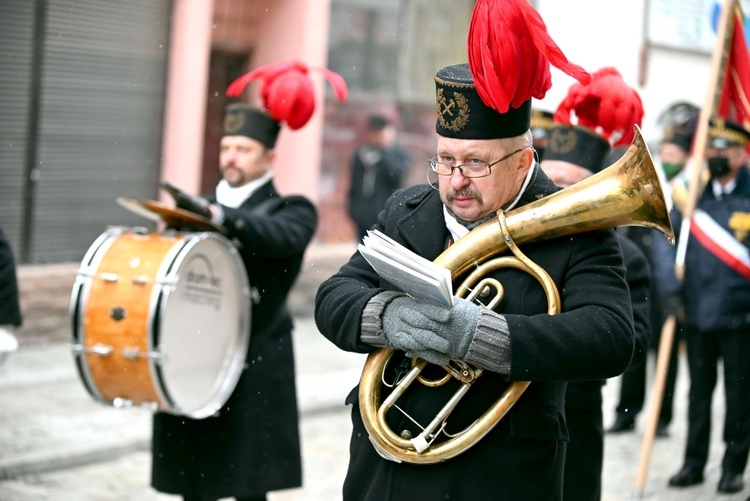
x,y
720,190
456,229
234,197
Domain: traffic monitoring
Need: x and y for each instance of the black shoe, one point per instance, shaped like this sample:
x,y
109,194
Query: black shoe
x,y
662,430
622,423
686,477
731,482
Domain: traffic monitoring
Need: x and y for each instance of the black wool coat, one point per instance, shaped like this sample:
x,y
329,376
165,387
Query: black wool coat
x,y
251,446
584,457
365,202
592,338
10,307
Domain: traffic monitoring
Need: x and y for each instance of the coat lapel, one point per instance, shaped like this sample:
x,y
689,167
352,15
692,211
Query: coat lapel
x,y
423,229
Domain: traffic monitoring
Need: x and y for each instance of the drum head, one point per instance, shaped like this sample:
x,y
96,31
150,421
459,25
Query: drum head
x,y
204,325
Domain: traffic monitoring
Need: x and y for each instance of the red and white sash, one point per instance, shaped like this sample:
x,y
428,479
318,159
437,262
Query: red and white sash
x,y
720,242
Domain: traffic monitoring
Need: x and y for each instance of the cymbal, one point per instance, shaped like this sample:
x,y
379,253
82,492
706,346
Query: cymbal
x,y
172,216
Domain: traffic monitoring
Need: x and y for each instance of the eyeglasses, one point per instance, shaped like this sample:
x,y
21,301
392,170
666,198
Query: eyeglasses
x,y
467,170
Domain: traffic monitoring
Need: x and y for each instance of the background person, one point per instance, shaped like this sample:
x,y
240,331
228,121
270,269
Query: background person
x,y
541,123
251,446
10,306
716,295
575,153
674,152
484,163
378,168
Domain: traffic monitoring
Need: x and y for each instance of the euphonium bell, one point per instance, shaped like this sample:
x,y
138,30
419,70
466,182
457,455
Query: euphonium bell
x,y
627,193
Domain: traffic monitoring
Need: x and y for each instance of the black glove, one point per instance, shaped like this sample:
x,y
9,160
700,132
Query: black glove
x,y
190,203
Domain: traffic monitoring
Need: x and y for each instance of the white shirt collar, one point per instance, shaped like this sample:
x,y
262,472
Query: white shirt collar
x,y
234,197
720,190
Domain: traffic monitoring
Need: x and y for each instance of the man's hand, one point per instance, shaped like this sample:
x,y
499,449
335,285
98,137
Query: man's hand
x,y
425,330
190,203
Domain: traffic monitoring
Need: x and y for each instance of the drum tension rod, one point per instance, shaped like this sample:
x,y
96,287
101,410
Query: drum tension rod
x,y
98,349
134,352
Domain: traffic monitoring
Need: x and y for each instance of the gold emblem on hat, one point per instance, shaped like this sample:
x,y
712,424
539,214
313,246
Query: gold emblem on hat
x,y
740,223
562,141
454,114
233,121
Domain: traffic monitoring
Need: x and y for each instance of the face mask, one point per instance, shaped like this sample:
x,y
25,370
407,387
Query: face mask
x,y
718,166
671,170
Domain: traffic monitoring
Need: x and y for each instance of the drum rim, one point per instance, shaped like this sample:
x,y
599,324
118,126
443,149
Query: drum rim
x,y
166,275
79,300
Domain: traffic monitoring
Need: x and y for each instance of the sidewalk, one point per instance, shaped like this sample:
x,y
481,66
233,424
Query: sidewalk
x,y
51,429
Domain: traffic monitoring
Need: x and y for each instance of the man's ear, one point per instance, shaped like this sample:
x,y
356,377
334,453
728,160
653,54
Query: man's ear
x,y
270,156
526,160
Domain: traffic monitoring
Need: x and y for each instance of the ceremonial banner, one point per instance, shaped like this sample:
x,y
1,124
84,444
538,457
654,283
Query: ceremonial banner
x,y
734,101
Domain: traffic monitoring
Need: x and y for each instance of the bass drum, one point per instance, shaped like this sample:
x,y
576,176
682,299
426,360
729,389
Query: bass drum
x,y
161,320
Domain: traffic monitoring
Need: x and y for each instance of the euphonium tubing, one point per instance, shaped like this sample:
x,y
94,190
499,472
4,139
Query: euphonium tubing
x,y
627,193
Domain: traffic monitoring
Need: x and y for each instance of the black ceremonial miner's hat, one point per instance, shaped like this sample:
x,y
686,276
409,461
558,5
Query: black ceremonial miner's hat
x,y
242,119
462,114
724,133
541,122
679,136
578,145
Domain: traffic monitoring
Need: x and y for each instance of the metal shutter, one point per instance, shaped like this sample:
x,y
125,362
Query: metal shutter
x,y
16,60
100,120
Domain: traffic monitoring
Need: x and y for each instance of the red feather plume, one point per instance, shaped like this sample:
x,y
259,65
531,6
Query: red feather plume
x,y
510,53
287,90
608,106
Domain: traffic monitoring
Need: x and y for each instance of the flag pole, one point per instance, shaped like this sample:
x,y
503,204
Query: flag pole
x,y
719,58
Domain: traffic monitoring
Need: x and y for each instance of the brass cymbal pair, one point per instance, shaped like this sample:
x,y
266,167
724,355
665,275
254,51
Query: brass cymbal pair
x,y
172,216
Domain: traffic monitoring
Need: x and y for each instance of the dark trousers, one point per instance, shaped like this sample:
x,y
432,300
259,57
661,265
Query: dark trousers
x,y
633,384
582,480
704,351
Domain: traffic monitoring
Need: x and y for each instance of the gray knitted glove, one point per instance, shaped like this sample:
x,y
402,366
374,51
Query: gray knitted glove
x,y
432,332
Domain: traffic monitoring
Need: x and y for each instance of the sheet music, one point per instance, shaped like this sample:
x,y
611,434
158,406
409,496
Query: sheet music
x,y
413,274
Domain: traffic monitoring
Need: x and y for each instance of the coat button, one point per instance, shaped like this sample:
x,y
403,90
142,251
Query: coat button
x,y
239,224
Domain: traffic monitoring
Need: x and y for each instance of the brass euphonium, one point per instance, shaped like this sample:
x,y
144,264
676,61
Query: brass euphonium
x,y
627,193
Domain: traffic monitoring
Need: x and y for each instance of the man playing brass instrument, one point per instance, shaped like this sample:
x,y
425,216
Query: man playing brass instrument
x,y
484,164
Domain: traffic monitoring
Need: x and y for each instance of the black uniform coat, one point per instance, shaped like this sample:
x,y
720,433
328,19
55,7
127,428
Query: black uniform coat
x,y
371,185
522,457
584,457
716,296
252,445
10,308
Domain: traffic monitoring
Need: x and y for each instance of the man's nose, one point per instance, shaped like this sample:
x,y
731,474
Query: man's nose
x,y
458,180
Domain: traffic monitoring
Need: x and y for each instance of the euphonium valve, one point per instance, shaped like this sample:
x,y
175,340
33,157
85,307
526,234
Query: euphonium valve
x,y
627,193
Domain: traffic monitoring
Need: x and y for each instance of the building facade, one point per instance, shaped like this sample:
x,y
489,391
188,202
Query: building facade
x,y
101,100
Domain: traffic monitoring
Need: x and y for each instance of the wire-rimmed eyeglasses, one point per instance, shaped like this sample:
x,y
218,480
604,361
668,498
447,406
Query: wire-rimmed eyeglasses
x,y
467,170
